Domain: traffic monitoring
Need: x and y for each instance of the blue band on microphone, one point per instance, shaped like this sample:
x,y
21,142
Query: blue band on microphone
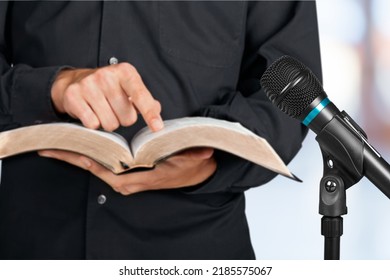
x,y
316,111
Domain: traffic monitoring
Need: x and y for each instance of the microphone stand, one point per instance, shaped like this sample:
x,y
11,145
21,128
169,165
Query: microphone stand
x,y
332,206
343,167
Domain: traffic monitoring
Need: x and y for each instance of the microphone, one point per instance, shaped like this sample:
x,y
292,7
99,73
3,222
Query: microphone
x,y
295,90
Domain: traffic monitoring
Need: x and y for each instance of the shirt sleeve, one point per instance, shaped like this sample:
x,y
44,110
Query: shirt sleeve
x,y
25,92
274,28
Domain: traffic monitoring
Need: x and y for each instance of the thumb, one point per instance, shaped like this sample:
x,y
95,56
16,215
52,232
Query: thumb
x,y
200,153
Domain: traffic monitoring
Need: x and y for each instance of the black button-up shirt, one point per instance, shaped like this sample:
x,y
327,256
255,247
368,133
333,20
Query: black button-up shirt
x,y
196,58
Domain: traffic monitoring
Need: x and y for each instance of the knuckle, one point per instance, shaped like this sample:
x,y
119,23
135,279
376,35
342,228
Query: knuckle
x,y
129,120
118,185
157,106
116,97
97,75
153,110
84,116
111,126
124,188
101,72
89,84
139,94
88,81
114,126
103,75
71,93
88,119
71,103
90,123
127,68
126,191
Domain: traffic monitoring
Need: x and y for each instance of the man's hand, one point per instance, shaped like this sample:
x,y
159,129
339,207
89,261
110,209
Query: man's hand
x,y
106,97
188,168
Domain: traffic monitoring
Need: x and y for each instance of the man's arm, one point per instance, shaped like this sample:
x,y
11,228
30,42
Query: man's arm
x,y
274,28
29,95
98,97
24,91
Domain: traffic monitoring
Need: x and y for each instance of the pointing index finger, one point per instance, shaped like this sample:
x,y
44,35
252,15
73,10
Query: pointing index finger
x,y
132,84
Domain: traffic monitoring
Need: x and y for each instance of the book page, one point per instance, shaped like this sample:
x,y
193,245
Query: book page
x,y
112,151
109,149
178,135
145,135
115,137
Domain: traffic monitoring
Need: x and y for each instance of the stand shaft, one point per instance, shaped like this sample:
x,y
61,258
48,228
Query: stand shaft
x,y
332,248
332,230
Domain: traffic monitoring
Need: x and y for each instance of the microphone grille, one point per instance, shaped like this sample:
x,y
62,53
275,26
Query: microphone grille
x,y
290,85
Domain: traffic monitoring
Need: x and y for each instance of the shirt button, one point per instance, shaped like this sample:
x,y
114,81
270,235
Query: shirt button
x,y
101,199
113,60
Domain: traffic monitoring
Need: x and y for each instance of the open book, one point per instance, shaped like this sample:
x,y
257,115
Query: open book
x,y
146,148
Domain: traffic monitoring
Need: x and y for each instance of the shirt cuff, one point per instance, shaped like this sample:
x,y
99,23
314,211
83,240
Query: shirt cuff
x,y
31,95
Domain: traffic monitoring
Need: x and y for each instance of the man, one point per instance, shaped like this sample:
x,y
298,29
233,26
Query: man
x,y
121,66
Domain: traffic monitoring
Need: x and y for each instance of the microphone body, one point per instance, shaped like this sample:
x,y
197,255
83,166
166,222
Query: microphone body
x,y
294,89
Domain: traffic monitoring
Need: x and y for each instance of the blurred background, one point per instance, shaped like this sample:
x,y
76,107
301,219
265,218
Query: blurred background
x,y
283,215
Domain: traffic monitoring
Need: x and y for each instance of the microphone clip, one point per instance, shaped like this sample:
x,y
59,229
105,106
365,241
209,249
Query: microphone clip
x,y
342,162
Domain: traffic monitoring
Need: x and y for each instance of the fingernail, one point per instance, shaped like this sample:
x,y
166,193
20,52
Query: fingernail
x,y
86,162
45,154
206,153
157,124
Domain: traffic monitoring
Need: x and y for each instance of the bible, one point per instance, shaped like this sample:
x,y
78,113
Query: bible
x,y
147,148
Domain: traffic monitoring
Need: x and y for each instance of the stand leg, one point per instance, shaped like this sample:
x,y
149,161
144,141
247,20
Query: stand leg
x,y
332,230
